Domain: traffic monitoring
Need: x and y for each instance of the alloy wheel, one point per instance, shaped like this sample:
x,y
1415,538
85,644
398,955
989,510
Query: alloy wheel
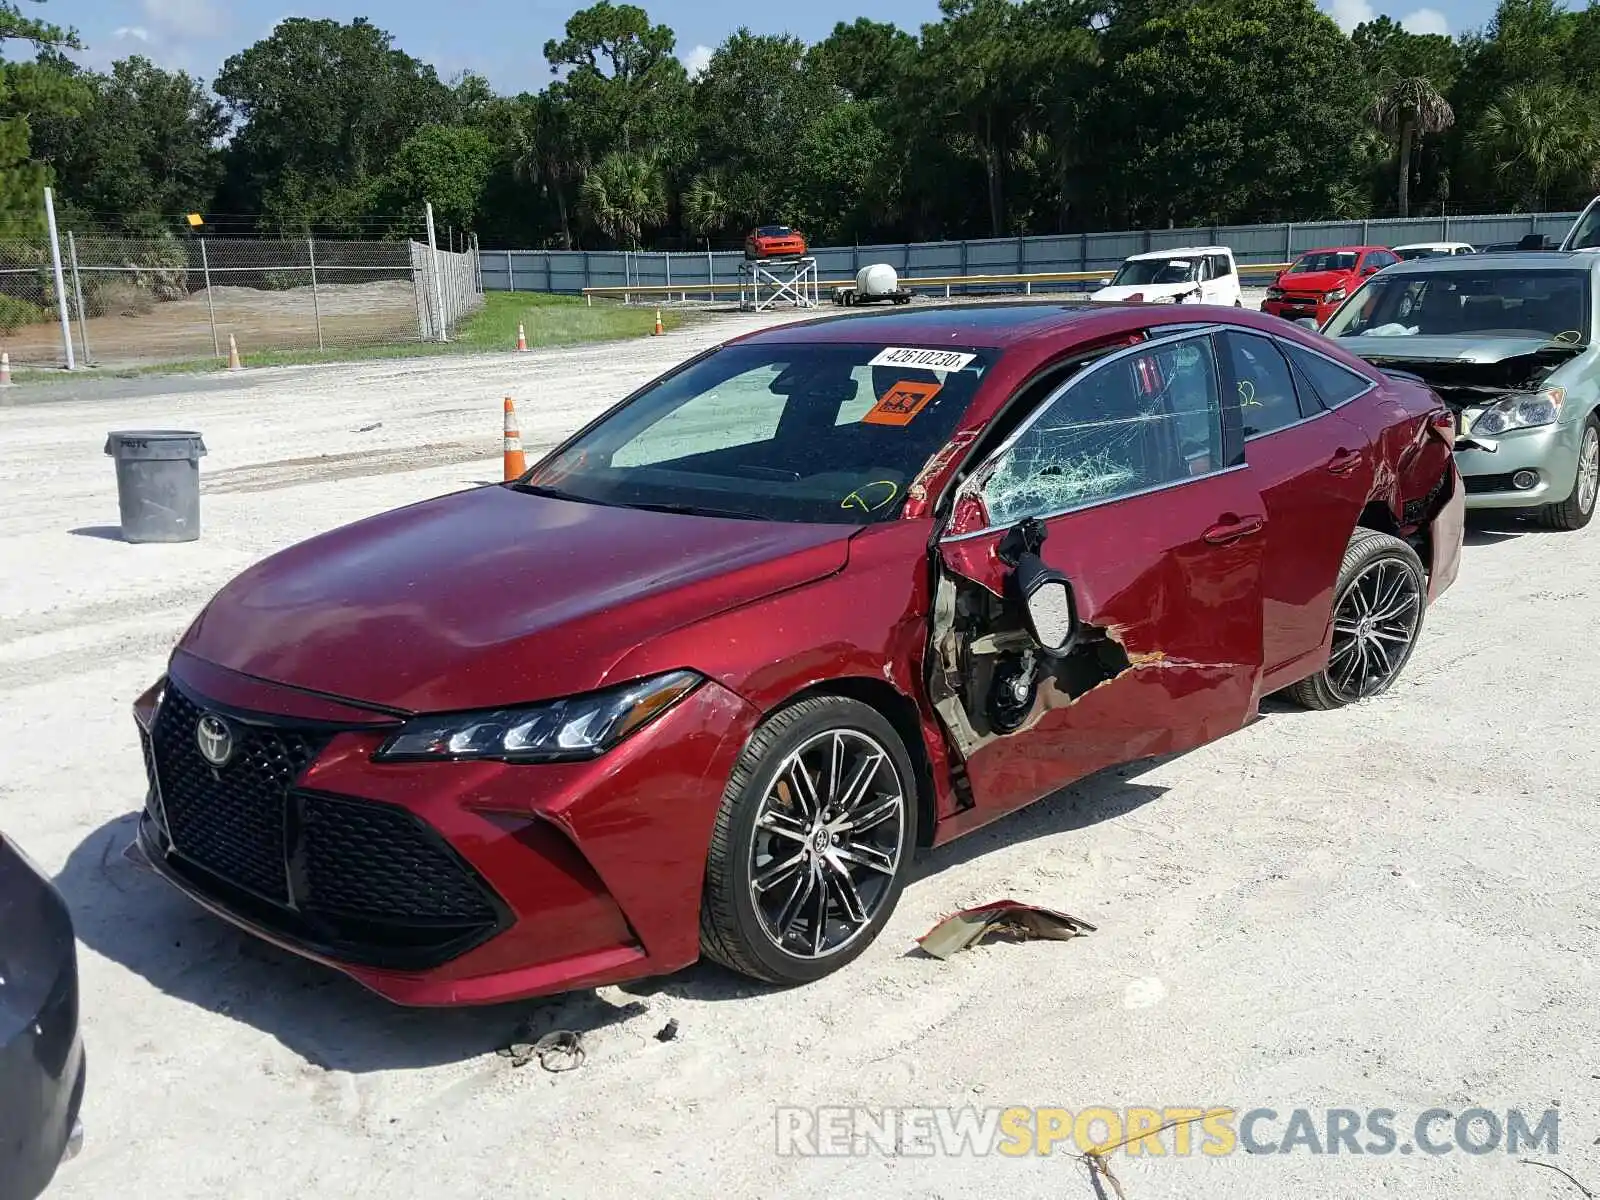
x,y
1373,628
829,837
1588,469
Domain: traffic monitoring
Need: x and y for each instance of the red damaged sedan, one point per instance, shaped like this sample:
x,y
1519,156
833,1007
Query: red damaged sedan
x,y
704,679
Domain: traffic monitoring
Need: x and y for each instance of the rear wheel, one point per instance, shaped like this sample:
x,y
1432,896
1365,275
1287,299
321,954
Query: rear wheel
x,y
1377,615
1577,509
812,844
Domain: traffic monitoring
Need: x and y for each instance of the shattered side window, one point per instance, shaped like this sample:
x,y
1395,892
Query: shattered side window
x,y
1136,423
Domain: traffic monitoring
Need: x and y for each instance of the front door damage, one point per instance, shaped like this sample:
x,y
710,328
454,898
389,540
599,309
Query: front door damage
x,y
1167,652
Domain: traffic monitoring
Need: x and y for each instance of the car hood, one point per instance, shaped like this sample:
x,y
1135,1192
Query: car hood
x,y
493,596
1147,290
1411,348
1314,281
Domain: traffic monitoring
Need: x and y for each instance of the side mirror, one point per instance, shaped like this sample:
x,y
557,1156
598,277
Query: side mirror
x,y
1048,605
1044,595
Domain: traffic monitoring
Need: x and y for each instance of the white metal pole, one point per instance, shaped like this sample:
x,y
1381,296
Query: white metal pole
x,y
77,291
316,301
211,305
438,291
61,282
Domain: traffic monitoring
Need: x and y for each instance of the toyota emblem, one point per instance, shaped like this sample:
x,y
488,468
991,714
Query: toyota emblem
x,y
215,740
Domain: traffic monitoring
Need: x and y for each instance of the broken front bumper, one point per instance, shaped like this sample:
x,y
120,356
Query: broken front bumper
x,y
1550,453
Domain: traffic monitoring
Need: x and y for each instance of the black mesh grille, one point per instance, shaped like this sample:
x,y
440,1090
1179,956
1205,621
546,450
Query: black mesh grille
x,y
373,861
230,819
363,881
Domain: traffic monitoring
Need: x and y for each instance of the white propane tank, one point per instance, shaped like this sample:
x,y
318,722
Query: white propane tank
x,y
877,280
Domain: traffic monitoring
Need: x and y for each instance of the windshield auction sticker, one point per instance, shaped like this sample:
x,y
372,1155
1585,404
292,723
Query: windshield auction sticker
x,y
901,403
927,360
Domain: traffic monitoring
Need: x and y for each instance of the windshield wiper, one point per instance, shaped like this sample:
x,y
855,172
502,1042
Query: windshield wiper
x,y
694,510
536,489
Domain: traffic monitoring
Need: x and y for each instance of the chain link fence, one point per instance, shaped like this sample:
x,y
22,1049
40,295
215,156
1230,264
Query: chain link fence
x,y
147,301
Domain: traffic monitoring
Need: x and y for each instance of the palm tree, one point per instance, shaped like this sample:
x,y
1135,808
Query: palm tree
x,y
723,196
545,154
1407,108
624,195
1539,134
708,203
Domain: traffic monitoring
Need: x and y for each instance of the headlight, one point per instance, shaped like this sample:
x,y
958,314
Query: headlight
x,y
1518,412
1274,293
1335,296
557,731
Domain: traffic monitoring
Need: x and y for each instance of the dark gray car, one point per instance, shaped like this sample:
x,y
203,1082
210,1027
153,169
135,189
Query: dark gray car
x,y
41,1051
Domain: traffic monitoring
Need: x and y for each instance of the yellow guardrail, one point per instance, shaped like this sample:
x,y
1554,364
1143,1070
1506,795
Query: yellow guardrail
x,y
1024,281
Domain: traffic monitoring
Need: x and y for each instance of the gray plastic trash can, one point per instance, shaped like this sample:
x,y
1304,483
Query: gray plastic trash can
x,y
158,483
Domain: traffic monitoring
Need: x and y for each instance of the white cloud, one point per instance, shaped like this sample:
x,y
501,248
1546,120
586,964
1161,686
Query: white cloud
x,y
1426,20
697,60
137,32
1348,13
186,18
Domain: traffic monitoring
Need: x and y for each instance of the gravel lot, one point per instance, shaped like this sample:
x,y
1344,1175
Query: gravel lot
x,y
1387,907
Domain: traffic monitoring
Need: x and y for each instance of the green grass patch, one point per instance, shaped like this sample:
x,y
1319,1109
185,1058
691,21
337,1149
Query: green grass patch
x,y
556,321
549,321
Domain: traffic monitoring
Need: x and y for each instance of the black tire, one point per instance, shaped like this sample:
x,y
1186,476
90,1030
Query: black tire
x,y
1370,554
1577,510
732,932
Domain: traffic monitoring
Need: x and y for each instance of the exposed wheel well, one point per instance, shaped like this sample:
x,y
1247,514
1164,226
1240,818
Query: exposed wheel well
x,y
1376,515
903,715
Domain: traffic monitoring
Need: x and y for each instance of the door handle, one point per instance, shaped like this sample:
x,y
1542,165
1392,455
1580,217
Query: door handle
x,y
1231,529
1344,461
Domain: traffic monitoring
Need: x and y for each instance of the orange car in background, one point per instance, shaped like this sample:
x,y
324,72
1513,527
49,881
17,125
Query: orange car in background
x,y
775,241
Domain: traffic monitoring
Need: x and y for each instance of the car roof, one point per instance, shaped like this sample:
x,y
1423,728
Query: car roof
x,y
1516,260
984,325
1177,251
1338,250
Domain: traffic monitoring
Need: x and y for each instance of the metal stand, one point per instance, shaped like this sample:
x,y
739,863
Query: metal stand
x,y
792,279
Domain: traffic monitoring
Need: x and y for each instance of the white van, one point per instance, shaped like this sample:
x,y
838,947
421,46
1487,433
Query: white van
x,y
1186,275
1432,250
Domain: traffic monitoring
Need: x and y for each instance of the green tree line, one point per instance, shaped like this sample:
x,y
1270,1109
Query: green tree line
x,y
1003,117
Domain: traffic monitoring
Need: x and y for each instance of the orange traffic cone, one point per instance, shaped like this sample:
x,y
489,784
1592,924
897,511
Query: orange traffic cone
x,y
233,355
522,340
659,329
5,368
516,461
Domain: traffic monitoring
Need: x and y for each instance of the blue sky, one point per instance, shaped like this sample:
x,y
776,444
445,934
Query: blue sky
x,y
503,38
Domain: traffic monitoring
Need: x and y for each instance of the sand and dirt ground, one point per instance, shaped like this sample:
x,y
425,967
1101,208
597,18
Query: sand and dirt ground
x,y
1389,907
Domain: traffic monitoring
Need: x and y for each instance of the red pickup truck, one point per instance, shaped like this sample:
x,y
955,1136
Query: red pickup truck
x,y
1319,281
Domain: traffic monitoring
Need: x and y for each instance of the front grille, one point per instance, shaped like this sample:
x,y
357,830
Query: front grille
x,y
230,819
369,860
363,881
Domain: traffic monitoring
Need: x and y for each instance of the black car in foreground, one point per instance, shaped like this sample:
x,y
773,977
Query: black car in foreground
x,y
41,1052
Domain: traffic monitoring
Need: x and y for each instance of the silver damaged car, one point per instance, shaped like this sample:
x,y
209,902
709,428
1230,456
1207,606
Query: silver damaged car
x,y
1510,343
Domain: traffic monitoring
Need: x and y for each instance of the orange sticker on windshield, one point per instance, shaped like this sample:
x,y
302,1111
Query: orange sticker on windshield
x,y
901,402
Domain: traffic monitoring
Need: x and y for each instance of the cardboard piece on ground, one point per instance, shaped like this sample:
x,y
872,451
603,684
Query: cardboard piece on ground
x,y
1009,918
